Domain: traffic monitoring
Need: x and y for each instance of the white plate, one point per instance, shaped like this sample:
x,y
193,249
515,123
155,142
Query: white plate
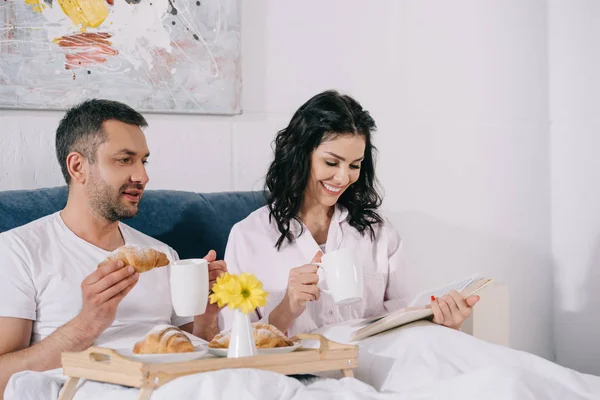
x,y
163,358
275,350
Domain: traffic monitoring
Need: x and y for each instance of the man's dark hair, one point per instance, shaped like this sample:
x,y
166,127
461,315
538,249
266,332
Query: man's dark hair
x,y
80,129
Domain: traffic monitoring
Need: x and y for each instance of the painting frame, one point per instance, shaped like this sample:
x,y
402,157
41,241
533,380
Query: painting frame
x,y
186,61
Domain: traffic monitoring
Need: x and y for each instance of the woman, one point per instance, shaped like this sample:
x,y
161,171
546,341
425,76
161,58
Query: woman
x,y
322,197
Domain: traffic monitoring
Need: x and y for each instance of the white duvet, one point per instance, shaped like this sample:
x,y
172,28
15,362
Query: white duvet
x,y
421,361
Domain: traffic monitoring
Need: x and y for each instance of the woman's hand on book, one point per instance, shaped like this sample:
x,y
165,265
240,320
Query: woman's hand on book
x,y
452,309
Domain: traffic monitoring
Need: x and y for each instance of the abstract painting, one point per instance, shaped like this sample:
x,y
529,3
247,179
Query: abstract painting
x,y
179,56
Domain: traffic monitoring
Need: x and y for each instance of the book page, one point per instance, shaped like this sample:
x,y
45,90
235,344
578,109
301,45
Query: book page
x,y
424,297
410,314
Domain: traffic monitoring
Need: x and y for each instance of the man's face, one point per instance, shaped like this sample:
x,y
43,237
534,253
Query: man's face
x,y
117,179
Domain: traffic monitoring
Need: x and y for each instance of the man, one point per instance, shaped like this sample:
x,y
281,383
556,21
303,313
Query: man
x,y
53,298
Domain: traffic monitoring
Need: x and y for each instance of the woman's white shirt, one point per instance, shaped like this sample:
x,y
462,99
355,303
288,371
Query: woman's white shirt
x,y
251,248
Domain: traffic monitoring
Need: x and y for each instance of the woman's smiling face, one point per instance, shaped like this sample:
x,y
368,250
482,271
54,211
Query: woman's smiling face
x,y
335,165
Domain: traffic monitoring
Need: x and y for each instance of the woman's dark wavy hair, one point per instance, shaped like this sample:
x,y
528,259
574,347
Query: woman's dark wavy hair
x,y
323,117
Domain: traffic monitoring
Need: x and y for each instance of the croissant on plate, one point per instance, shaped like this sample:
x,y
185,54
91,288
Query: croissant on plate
x,y
164,339
142,259
266,336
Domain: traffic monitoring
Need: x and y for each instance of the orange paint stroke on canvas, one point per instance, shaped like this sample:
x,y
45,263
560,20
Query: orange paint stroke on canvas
x,y
86,49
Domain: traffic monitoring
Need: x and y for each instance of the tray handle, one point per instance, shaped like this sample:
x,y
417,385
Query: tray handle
x,y
324,343
104,355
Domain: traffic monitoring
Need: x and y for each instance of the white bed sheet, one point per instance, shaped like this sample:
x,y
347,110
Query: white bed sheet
x,y
421,361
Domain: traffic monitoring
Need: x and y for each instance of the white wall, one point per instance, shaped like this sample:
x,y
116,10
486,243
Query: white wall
x,y
574,35
459,91
465,149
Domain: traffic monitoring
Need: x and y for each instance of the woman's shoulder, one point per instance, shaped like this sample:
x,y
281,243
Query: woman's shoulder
x,y
387,229
259,215
385,224
256,222
383,231
387,221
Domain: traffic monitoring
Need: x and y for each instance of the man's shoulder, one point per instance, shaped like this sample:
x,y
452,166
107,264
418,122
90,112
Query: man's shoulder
x,y
30,232
21,241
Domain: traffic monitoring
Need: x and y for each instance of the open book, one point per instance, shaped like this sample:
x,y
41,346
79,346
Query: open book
x,y
418,309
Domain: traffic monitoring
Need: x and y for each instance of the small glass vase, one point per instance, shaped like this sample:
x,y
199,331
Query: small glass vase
x,y
241,341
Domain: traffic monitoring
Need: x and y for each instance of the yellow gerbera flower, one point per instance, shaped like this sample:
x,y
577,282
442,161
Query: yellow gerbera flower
x,y
242,291
222,289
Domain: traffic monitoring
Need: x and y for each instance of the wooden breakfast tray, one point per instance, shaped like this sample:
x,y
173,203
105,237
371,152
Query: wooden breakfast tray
x,y
106,365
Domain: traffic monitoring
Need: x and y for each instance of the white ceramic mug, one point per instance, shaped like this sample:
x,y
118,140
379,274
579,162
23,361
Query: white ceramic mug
x,y
344,277
189,286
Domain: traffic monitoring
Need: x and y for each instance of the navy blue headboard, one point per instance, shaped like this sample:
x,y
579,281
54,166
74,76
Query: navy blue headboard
x,y
191,223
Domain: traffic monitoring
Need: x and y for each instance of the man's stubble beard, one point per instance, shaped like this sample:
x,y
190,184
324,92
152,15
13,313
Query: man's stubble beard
x,y
105,201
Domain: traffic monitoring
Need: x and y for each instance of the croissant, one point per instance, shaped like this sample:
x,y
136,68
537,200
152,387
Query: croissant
x,y
164,339
266,336
141,259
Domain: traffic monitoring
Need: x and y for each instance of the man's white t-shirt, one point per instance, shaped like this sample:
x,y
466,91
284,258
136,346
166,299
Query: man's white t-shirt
x,y
43,263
